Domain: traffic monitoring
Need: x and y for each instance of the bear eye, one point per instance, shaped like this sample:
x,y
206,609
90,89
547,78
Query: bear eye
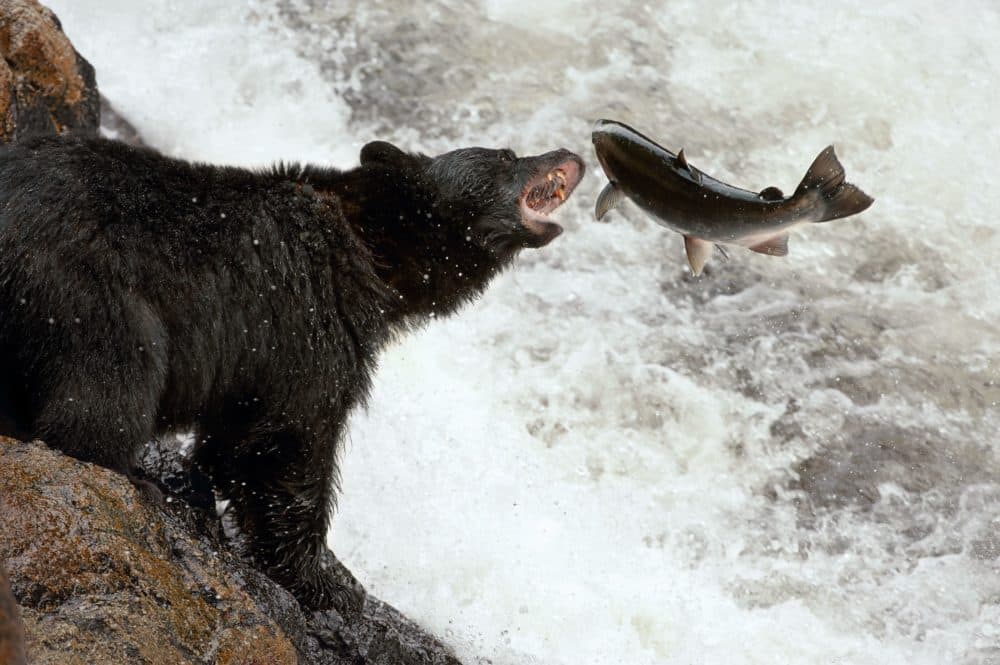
x,y
507,155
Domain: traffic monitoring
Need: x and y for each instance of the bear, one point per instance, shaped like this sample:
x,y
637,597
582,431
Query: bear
x,y
142,294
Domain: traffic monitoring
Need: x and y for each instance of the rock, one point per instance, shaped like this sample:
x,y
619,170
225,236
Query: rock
x,y
115,126
45,85
11,633
102,576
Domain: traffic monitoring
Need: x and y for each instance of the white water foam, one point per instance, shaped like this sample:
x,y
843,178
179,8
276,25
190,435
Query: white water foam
x,y
605,461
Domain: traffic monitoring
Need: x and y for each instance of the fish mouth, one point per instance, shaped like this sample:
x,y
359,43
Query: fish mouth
x,y
547,191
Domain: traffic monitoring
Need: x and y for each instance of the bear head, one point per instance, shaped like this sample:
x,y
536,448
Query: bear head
x,y
441,227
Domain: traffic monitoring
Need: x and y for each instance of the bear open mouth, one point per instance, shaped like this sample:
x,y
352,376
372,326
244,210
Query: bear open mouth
x,y
543,194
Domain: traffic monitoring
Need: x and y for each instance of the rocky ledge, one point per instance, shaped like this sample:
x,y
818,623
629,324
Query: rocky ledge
x,y
103,576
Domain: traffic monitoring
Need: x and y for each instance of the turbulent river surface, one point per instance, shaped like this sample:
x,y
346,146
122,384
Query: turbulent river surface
x,y
605,460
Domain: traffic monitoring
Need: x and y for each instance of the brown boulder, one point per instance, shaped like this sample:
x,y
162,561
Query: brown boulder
x,y
11,633
102,576
45,85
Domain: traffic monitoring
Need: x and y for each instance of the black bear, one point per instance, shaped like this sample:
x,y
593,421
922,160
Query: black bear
x,y
141,294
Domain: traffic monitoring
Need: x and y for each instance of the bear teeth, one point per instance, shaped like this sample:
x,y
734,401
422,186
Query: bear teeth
x,y
551,191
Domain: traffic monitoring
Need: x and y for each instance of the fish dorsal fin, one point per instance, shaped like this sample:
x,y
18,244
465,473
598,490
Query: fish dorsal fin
x,y
776,246
771,194
682,163
698,252
682,160
609,197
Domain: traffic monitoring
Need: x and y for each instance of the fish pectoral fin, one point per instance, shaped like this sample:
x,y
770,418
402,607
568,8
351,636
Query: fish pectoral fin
x,y
610,197
776,246
698,251
682,163
771,194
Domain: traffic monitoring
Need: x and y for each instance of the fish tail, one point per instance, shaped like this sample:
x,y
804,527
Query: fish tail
x,y
835,197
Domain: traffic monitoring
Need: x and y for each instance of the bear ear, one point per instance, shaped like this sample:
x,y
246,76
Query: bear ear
x,y
382,151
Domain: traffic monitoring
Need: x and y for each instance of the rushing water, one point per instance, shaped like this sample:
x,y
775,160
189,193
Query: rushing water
x,y
606,461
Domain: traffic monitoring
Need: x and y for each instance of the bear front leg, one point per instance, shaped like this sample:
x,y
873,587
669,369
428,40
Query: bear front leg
x,y
281,487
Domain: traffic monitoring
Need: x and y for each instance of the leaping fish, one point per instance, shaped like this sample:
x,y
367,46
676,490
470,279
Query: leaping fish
x,y
708,212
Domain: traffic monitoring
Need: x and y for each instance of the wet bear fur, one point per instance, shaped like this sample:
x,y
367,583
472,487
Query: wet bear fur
x,y
141,294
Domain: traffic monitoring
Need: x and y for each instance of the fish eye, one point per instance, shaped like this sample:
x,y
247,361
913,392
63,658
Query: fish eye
x,y
507,155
